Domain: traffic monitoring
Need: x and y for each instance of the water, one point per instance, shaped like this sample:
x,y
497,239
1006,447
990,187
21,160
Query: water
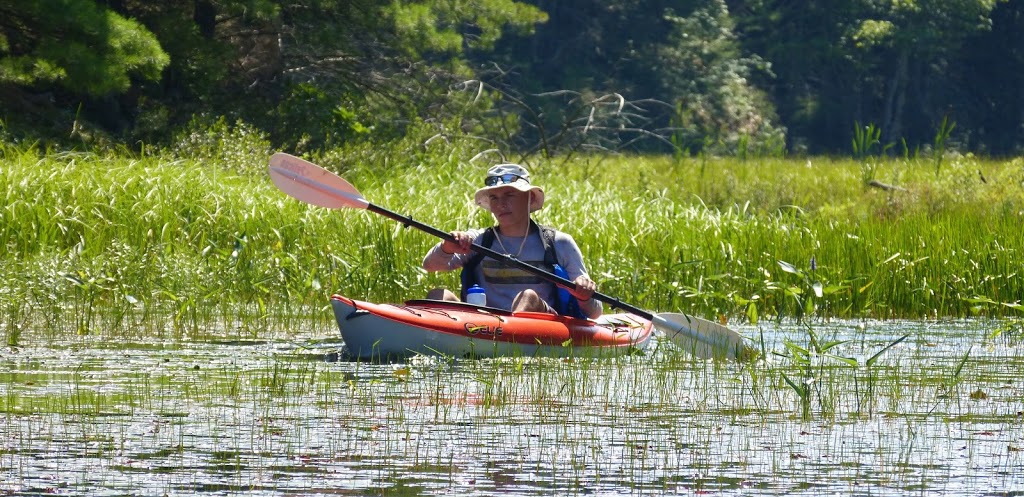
x,y
940,413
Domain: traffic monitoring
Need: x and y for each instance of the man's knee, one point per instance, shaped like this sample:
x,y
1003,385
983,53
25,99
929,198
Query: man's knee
x,y
442,294
530,301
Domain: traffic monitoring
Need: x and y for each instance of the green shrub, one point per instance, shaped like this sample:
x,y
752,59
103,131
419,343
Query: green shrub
x,y
240,147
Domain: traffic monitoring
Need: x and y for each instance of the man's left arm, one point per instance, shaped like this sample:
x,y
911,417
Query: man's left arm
x,y
571,259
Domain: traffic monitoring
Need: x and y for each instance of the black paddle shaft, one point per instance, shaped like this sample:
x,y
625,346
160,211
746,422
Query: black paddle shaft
x,y
530,268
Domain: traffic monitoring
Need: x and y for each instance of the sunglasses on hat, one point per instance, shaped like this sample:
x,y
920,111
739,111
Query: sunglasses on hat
x,y
503,179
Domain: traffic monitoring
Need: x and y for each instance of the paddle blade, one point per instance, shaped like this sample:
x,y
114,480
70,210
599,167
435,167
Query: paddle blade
x,y
313,184
703,338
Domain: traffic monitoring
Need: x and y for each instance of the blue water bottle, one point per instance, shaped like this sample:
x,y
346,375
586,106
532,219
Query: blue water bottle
x,y
476,296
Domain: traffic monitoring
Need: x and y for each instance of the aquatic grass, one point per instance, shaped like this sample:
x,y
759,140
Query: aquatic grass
x,y
663,421
659,422
721,257
156,244
101,244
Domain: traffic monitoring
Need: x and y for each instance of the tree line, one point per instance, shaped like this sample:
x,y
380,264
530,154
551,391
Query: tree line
x,y
534,76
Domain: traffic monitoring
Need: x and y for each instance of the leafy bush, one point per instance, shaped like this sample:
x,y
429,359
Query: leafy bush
x,y
240,147
718,110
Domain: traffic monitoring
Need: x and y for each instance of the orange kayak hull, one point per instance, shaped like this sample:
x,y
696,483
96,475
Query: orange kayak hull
x,y
430,327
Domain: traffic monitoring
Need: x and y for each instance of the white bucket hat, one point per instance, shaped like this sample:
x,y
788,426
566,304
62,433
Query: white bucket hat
x,y
510,176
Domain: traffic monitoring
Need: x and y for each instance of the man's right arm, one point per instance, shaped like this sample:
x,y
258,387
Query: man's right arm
x,y
446,255
439,260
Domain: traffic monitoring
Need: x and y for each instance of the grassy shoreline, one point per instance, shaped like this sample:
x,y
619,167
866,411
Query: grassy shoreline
x,y
98,241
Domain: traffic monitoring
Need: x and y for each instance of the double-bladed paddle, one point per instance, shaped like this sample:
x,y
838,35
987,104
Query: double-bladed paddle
x,y
315,185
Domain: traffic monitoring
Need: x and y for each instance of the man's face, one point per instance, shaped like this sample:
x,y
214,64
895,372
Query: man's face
x,y
509,205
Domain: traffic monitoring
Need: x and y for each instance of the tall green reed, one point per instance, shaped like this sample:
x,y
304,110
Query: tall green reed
x,y
144,238
941,141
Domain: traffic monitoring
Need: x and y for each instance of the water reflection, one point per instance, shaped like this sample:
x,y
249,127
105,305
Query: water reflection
x,y
940,413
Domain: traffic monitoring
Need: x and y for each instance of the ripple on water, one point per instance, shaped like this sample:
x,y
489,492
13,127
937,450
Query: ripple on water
x,y
940,413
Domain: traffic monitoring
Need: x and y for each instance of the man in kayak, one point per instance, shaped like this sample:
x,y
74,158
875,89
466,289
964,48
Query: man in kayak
x,y
511,198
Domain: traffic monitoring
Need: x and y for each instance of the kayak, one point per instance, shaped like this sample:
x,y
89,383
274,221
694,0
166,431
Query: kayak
x,y
457,329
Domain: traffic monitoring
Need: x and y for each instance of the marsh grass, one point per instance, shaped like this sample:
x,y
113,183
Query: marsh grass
x,y
141,297
154,246
932,412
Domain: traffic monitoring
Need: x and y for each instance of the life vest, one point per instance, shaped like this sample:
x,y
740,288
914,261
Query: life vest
x,y
566,304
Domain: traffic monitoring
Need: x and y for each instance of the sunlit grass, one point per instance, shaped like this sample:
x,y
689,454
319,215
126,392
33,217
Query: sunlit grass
x,y
162,285
154,246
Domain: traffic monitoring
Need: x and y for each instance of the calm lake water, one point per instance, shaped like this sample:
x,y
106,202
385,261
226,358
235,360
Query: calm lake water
x,y
941,413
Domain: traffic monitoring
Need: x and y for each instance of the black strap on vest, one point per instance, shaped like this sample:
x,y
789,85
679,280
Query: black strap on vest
x,y
547,236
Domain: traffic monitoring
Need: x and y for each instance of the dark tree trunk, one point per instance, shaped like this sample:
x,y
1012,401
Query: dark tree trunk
x,y
205,17
892,121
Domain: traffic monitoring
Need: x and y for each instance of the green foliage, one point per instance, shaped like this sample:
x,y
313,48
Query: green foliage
x,y
163,235
941,140
76,44
865,140
926,26
437,146
447,26
840,62
873,33
312,118
546,76
239,147
809,363
717,109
